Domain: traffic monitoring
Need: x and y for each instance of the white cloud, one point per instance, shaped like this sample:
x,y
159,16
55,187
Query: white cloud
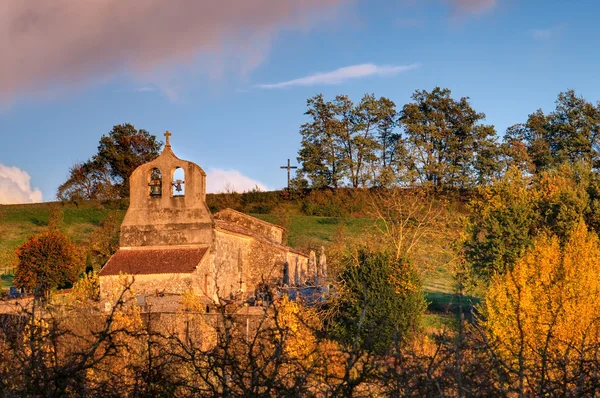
x,y
15,187
219,180
343,74
541,34
63,43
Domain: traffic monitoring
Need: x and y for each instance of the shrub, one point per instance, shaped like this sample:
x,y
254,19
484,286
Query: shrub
x,y
47,261
380,300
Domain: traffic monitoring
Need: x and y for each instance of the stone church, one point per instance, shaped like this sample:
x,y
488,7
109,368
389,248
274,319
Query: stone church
x,y
171,243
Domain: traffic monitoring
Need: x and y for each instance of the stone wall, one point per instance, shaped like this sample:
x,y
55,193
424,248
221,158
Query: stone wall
x,y
111,286
167,219
258,227
231,261
257,259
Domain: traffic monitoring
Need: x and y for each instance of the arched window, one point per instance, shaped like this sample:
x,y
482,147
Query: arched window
x,y
178,182
155,183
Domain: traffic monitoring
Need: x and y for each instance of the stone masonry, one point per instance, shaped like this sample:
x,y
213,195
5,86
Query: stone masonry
x,y
171,244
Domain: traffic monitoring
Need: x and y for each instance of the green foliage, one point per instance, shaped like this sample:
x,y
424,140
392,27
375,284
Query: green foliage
x,y
442,143
569,134
47,261
347,142
446,144
503,223
106,174
321,152
380,300
563,198
508,215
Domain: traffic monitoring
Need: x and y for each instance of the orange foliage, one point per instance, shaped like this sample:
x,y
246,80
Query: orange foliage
x,y
47,261
545,313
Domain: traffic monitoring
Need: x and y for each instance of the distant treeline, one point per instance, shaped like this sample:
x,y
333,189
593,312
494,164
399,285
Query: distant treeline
x,y
437,141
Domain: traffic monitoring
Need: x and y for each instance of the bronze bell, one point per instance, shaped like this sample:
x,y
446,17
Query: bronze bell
x,y
177,184
155,187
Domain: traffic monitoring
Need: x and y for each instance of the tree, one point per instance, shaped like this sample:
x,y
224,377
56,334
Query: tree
x,y
88,180
503,223
341,144
447,144
357,127
391,145
563,198
47,261
106,174
569,134
104,242
509,214
541,318
380,300
321,153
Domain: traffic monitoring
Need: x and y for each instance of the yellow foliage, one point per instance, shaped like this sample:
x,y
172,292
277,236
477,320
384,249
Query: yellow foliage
x,y
301,341
190,301
548,306
36,337
86,288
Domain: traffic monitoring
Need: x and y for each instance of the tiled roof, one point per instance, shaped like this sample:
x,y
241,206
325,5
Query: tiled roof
x,y
154,261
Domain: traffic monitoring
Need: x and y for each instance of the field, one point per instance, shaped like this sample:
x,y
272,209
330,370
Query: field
x,y
18,222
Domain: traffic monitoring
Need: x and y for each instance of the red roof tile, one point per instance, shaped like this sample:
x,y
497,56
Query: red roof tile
x,y
154,261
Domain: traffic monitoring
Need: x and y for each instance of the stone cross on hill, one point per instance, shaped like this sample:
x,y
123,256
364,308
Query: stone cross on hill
x,y
168,138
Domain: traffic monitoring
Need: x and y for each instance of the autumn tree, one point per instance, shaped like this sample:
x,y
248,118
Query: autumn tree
x,y
541,318
87,180
47,261
447,145
106,174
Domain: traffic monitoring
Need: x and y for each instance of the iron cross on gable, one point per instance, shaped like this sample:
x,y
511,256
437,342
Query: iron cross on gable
x,y
168,138
289,168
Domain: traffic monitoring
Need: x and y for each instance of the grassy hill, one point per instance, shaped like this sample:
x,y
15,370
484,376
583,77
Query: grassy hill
x,y
311,222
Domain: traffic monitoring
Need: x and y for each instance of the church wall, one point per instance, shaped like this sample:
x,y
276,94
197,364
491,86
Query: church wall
x,y
167,219
111,286
266,262
230,254
261,261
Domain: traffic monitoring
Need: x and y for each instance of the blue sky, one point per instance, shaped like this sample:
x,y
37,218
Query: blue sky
x,y
230,81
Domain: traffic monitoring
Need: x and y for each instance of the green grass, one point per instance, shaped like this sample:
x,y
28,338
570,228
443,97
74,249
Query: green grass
x,y
19,222
313,231
435,322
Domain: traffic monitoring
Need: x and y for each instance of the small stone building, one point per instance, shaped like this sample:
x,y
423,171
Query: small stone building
x,y
171,243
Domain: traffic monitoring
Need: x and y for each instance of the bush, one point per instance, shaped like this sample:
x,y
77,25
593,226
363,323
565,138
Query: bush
x,y
47,261
380,301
